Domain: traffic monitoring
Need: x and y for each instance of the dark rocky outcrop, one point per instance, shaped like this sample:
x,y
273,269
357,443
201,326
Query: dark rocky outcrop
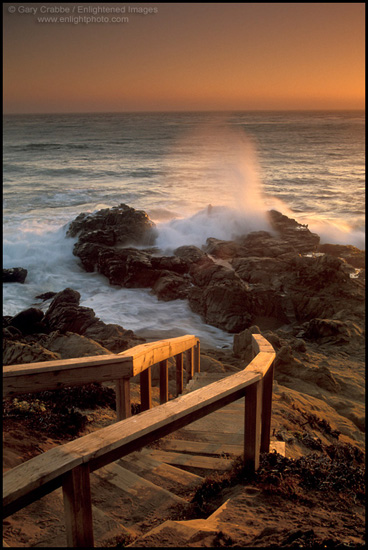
x,y
277,278
119,225
14,275
65,330
110,227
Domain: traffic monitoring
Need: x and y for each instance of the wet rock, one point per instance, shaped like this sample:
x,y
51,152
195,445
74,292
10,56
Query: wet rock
x,y
189,254
265,278
351,254
171,286
14,275
29,321
66,315
295,234
223,303
128,267
120,225
224,249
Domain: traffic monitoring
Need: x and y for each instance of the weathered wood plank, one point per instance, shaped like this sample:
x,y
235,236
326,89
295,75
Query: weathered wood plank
x,y
192,461
189,364
146,389
78,508
252,425
267,384
179,373
123,406
260,344
119,439
34,377
202,447
146,355
197,357
51,375
164,381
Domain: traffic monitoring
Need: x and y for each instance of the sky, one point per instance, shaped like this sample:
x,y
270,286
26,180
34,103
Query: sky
x,y
102,57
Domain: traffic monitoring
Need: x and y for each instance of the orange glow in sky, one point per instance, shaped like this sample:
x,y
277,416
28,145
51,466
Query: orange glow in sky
x,y
183,57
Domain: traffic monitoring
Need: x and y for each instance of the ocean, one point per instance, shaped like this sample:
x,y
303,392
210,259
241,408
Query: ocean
x,y
308,165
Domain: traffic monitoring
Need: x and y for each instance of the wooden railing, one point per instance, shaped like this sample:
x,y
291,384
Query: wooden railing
x,y
53,375
69,466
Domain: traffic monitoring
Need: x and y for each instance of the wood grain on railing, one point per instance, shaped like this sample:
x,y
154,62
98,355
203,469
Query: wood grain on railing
x,y
53,375
69,465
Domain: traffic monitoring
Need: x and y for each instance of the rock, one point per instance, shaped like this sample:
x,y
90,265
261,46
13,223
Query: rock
x,y
170,263
120,225
332,330
113,337
189,254
295,234
15,353
127,267
14,275
223,303
243,341
261,278
255,270
171,286
318,272
71,345
29,321
322,377
349,253
209,364
66,315
108,230
223,249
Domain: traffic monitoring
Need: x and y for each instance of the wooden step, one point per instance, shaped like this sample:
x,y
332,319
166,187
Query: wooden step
x,y
187,461
175,480
218,449
131,499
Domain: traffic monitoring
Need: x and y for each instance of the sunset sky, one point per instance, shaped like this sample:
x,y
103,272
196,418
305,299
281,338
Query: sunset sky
x,y
184,57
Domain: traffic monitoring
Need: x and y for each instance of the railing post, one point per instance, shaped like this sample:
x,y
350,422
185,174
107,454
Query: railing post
x,y
252,425
146,389
179,373
189,359
266,409
122,390
197,357
164,381
78,508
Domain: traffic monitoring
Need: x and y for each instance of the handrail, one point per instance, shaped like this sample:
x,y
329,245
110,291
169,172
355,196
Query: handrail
x,y
57,374
69,465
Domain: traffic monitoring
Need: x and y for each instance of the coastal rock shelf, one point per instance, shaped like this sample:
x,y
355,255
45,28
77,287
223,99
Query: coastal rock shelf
x,y
268,279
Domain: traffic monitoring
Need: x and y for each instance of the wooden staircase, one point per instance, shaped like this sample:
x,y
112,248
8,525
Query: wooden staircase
x,y
132,495
129,494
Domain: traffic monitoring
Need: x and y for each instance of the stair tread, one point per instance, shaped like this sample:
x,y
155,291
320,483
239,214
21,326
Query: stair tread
x,y
134,484
201,448
192,461
165,475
